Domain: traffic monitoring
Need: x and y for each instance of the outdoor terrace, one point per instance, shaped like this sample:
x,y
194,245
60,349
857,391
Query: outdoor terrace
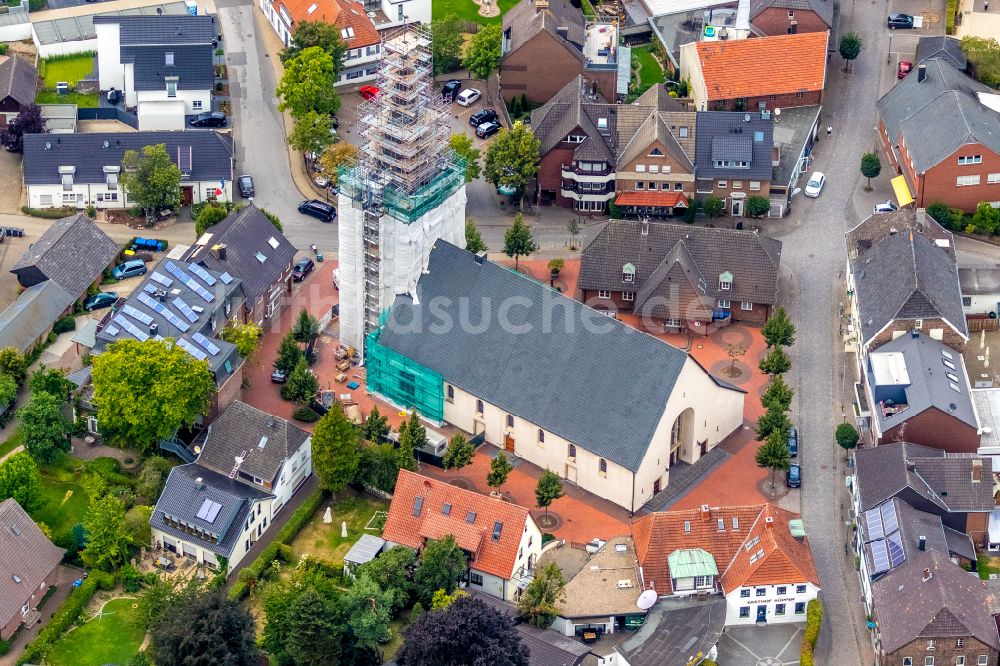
x,y
601,46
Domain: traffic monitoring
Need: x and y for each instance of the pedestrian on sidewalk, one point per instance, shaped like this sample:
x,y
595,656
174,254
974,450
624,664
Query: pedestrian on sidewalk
x,y
829,131
986,6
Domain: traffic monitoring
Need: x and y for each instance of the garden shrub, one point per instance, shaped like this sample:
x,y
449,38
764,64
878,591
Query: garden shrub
x,y
64,324
48,213
131,579
949,19
305,414
814,618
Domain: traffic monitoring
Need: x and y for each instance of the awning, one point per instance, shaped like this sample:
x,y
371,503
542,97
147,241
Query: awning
x,y
691,562
902,191
654,198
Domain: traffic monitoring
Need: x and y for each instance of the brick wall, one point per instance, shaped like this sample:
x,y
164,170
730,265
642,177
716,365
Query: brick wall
x,y
226,394
775,21
550,172
543,66
944,652
936,429
758,315
949,337
939,183
788,100
977,524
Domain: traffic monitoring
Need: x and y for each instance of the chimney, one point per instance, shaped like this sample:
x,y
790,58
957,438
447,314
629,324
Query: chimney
x,y
927,575
977,470
706,513
768,522
219,251
153,328
541,5
921,73
481,257
922,543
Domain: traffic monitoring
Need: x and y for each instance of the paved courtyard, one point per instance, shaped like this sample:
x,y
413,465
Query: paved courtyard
x,y
773,645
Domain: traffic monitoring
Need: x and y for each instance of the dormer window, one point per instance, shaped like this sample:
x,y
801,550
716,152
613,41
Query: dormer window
x,y
726,281
111,176
576,138
66,176
602,124
628,273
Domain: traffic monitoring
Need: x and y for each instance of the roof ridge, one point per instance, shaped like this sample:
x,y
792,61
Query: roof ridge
x,y
743,543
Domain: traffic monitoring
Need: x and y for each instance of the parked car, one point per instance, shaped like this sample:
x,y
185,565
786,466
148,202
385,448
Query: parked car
x,y
794,477
483,116
302,268
450,89
210,119
793,442
899,21
130,268
468,97
105,299
886,207
486,130
246,187
318,209
904,68
815,184
369,92
278,377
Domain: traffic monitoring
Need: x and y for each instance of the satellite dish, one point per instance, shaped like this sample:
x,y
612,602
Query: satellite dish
x,y
197,449
646,600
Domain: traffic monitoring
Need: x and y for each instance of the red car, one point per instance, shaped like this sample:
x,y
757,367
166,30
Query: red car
x,y
369,92
904,68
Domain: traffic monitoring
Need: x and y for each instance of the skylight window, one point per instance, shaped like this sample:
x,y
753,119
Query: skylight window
x,y
347,33
273,242
946,354
261,257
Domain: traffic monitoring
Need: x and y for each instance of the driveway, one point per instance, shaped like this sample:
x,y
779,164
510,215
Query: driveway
x,y
773,645
10,193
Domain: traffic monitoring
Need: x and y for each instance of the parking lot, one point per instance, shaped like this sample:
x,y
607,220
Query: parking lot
x,y
770,645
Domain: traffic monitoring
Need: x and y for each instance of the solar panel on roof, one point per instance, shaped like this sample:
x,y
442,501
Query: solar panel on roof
x,y
148,288
185,309
206,343
880,556
112,330
164,312
189,282
226,278
160,278
889,522
209,510
896,554
131,328
202,273
873,520
191,349
137,314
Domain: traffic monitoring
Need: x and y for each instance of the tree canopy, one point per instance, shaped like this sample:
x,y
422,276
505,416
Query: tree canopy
x,y
777,395
500,469
321,34
519,240
473,239
548,490
151,178
208,216
29,121
779,331
208,630
393,571
244,336
301,384
107,534
460,452
307,84
44,427
412,434
773,454
482,55
984,54
289,354
19,478
512,158
311,133
314,630
335,156
446,44
775,362
850,46
369,608
335,449
774,419
847,436
539,605
441,563
464,148
376,427
870,167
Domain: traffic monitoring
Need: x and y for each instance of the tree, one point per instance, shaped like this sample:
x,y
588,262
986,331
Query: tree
x,y
512,159
145,391
500,469
446,44
313,632
870,167
392,571
573,227
773,454
44,428
376,427
434,638
107,534
986,219
151,179
413,434
443,600
777,395
321,34
369,610
19,478
774,419
473,239
775,362
311,133
301,385
272,218
460,452
244,336
13,364
850,48
152,476
209,215
734,351
340,154
441,563
779,331
29,121
984,54
379,466
289,354
307,84
518,240
757,206
539,605
548,490
713,206
846,436
8,390
50,380
137,524
207,630
306,331
482,55
461,144
335,449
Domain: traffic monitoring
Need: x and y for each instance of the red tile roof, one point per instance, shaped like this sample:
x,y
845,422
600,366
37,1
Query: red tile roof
x,y
342,13
785,559
654,198
489,556
763,65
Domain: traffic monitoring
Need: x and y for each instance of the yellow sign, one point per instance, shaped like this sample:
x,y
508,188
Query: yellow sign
x,y
902,191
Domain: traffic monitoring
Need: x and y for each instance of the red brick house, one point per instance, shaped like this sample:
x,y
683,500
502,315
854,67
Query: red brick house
x,y
958,165
28,561
788,17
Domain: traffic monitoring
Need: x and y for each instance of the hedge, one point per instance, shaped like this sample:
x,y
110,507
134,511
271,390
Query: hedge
x,y
67,614
814,618
949,19
49,213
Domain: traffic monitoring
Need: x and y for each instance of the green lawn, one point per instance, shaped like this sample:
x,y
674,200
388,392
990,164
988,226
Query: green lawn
x,y
64,501
650,72
324,541
467,10
12,443
987,565
110,638
81,100
70,70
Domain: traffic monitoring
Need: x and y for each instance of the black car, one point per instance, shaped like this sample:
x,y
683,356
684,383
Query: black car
x,y
450,90
794,477
487,130
483,116
105,299
793,442
211,119
302,268
900,21
246,187
318,209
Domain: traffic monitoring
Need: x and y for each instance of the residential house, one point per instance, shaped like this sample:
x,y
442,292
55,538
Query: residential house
x,y
204,515
980,290
902,276
916,389
756,556
80,170
948,49
190,305
258,449
958,165
606,406
28,561
753,74
500,539
734,157
162,64
638,155
673,633
18,80
357,31
248,247
788,17
548,43
676,278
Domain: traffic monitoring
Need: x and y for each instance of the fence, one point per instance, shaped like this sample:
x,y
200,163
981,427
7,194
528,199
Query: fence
x,y
977,324
107,113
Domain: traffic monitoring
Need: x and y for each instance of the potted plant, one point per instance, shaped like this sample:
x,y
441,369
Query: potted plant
x,y
555,266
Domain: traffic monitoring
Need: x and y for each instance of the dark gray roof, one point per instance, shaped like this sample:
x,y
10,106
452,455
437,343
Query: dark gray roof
x,y
25,552
163,29
896,522
73,252
959,543
18,80
822,8
876,228
929,385
192,66
906,276
947,100
558,364
525,21
979,281
247,235
675,630
731,131
752,258
240,431
948,49
81,377
32,315
546,647
948,603
184,494
202,155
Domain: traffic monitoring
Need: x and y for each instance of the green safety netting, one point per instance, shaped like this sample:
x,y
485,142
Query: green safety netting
x,y
402,380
